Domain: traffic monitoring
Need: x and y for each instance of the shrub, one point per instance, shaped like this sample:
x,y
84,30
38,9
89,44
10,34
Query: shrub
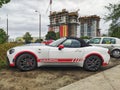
x,y
3,51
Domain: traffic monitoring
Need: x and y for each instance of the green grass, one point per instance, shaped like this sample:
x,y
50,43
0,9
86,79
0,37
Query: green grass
x,y
3,50
2,64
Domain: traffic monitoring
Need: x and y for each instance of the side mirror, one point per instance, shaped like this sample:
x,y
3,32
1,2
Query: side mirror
x,y
60,47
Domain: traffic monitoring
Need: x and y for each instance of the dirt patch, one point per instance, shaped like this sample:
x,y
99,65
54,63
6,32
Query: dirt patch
x,y
45,78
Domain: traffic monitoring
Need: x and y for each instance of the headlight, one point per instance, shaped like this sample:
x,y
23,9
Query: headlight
x,y
11,51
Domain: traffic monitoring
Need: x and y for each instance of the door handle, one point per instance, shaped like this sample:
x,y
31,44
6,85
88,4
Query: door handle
x,y
39,50
78,51
112,46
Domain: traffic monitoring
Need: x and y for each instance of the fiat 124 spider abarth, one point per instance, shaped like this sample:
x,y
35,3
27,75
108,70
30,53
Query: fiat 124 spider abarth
x,y
67,51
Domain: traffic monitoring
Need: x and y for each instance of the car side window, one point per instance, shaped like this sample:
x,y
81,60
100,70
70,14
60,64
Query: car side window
x,y
108,41
113,41
72,43
95,41
67,43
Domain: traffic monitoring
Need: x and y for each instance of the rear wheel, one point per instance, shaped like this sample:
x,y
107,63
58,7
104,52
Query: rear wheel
x,y
92,63
115,53
26,62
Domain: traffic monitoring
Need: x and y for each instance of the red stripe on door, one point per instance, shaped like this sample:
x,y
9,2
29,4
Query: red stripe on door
x,y
65,60
60,60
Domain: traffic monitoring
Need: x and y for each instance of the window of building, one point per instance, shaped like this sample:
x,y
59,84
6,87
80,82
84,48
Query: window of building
x,y
63,19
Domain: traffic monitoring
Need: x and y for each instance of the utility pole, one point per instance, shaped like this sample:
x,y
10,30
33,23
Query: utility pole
x,y
39,24
7,27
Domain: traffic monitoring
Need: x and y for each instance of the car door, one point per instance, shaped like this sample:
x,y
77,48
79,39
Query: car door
x,y
108,43
72,52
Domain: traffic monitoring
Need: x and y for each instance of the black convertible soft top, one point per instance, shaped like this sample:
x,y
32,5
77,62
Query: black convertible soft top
x,y
83,43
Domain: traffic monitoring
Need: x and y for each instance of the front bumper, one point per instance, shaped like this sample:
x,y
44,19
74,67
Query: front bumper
x,y
10,64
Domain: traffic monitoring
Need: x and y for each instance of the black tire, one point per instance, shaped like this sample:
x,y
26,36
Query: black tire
x,y
115,53
92,63
26,62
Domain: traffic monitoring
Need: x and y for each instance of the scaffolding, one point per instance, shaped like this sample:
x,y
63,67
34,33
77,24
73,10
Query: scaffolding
x,y
66,22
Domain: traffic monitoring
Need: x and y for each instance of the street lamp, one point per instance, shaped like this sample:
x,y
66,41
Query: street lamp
x,y
39,24
7,27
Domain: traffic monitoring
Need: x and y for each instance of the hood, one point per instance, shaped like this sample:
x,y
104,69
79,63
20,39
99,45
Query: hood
x,y
31,45
34,44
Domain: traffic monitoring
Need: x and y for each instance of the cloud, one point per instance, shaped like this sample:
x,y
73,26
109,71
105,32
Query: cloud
x,y
23,18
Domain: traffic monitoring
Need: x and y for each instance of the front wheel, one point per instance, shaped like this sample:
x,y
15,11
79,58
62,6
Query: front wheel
x,y
26,62
116,53
92,63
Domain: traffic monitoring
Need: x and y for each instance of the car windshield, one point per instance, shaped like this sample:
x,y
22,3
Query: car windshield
x,y
57,42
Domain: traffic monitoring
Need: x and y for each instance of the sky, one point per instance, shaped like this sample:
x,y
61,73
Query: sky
x,y
22,17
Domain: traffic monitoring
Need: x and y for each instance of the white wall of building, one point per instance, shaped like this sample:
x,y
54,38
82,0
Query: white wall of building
x,y
85,29
78,31
94,28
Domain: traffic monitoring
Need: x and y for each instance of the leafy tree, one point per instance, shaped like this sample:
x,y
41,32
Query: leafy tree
x,y
3,2
104,35
38,40
27,37
85,37
114,17
51,35
3,36
57,35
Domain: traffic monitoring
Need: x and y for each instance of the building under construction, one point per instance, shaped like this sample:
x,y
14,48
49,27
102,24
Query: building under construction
x,y
66,23
89,26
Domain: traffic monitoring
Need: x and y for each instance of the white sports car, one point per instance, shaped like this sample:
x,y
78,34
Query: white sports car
x,y
67,51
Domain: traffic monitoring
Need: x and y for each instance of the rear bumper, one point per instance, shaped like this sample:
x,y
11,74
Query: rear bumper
x,y
104,64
